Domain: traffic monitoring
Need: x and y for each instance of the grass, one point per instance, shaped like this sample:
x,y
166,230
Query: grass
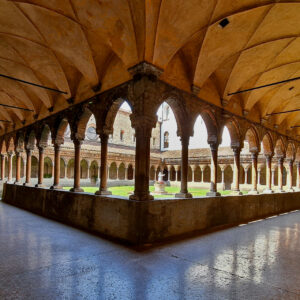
x,y
126,190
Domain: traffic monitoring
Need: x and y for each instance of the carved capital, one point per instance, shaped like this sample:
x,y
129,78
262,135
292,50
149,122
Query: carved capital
x,y
144,122
145,68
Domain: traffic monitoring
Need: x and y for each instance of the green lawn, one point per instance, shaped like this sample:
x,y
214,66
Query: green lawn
x,y
126,190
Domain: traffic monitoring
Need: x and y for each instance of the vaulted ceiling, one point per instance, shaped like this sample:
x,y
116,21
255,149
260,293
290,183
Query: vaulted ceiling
x,y
73,45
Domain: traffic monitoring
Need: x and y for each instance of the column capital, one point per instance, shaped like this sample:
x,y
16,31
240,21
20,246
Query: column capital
x,y
77,142
236,150
290,161
214,146
144,122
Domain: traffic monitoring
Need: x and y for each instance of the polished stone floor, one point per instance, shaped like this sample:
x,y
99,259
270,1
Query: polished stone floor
x,y
42,259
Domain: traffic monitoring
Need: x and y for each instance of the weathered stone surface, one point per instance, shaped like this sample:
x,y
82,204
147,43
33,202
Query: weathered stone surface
x,y
149,221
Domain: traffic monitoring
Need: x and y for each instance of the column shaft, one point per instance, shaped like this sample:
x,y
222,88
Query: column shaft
x,y
2,166
18,167
236,171
56,167
77,147
268,175
9,159
254,172
214,171
290,163
103,166
41,167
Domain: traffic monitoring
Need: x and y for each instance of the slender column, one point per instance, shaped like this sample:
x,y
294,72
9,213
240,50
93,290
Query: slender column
x,y
2,166
223,179
280,174
9,159
246,176
18,167
143,127
77,147
55,185
117,173
193,173
255,174
236,171
28,167
268,189
258,176
184,168
290,186
214,170
202,174
298,176
126,173
273,177
103,166
41,167
176,173
169,173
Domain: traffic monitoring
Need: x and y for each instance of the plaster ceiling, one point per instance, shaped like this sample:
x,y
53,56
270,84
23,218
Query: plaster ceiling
x,y
72,45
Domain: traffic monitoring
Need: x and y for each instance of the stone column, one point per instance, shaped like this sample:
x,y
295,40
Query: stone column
x,y
223,178
169,173
28,167
298,176
236,171
103,166
41,167
2,167
18,167
258,176
280,174
202,173
117,178
55,185
77,147
273,177
246,176
176,173
290,181
193,173
268,189
143,127
255,174
214,170
126,173
9,159
184,168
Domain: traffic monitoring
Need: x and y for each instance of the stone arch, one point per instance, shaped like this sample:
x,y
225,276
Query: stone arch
x,y
190,174
294,182
290,151
84,167
10,144
122,170
206,174
172,174
279,149
81,126
242,175
267,144
130,172
94,170
70,168
234,132
228,177
44,136
197,174
152,173
298,154
212,127
251,137
30,140
62,167
34,166
48,165
113,170
61,129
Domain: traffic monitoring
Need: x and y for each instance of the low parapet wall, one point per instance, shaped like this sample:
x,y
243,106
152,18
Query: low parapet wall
x,y
147,222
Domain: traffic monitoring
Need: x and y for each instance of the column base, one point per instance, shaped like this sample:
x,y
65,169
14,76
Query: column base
x,y
27,184
76,190
236,193
268,191
40,185
290,190
253,192
183,195
280,191
213,194
141,198
56,187
103,193
17,183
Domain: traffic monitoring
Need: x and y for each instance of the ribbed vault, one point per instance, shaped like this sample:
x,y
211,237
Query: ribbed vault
x,y
75,45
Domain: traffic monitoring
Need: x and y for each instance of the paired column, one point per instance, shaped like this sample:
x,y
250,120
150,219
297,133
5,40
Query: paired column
x,y
18,167
184,168
77,148
2,167
28,167
268,189
254,156
55,185
41,167
236,171
143,127
280,174
103,166
9,159
290,181
214,170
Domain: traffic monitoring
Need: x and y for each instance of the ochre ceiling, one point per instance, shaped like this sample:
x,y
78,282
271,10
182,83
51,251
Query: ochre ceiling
x,y
72,45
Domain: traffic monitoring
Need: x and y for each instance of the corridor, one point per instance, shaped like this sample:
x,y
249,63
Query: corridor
x,y
42,259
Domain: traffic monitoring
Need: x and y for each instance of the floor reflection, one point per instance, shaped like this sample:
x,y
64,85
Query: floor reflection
x,y
42,259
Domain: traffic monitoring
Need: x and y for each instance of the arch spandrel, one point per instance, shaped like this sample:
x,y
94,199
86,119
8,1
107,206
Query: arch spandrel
x,y
267,143
252,138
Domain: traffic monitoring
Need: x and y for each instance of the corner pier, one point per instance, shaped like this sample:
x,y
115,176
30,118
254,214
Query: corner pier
x,y
140,222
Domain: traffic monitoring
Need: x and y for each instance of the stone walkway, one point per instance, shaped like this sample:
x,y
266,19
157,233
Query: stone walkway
x,y
42,259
